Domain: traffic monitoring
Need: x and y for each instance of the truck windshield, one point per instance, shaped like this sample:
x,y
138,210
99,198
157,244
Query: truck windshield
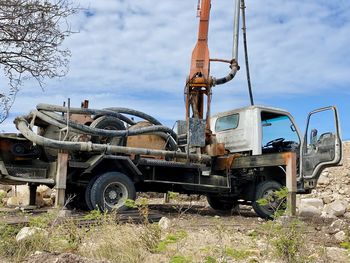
x,y
276,126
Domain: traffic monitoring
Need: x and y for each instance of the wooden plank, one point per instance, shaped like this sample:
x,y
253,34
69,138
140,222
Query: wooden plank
x,y
61,178
291,182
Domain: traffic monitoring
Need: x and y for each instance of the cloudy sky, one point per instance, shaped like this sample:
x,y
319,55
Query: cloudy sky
x,y
137,53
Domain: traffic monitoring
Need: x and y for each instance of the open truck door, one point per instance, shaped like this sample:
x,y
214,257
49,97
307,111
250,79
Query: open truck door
x,y
321,146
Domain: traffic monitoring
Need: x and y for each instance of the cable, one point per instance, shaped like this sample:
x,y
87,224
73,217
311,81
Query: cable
x,y
244,29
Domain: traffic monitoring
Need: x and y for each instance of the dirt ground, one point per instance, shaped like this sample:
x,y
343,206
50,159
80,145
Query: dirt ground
x,y
210,236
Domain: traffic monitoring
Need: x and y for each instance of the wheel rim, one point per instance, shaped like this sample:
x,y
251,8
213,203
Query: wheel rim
x,y
114,195
273,201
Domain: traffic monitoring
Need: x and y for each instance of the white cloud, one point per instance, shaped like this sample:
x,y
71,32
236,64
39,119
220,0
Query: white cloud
x,y
137,53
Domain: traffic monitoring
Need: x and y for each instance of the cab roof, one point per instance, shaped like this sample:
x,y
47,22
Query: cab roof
x,y
259,107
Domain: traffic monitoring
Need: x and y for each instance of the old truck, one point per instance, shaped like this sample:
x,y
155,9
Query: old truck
x,y
105,178
103,157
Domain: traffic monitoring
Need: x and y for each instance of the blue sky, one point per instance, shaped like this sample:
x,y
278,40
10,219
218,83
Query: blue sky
x,y
137,54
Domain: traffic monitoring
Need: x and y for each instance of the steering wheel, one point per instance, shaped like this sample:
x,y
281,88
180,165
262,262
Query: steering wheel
x,y
275,141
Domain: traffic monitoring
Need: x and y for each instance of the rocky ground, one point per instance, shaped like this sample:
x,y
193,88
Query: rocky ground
x,y
192,232
331,198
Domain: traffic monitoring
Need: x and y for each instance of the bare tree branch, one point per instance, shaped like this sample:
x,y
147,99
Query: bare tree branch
x,y
31,34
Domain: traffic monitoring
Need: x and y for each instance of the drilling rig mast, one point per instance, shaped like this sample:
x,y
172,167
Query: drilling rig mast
x,y
199,83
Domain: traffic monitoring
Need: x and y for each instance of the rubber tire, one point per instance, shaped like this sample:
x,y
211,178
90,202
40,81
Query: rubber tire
x,y
221,204
97,189
109,123
78,202
261,188
88,193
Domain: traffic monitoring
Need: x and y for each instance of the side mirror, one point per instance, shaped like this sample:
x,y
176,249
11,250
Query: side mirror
x,y
292,127
313,136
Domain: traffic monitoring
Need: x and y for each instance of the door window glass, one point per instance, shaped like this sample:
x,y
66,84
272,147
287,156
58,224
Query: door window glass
x,y
320,142
321,128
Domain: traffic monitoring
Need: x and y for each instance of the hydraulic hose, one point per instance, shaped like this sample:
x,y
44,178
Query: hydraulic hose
x,y
49,107
229,77
56,120
23,126
110,133
116,112
135,113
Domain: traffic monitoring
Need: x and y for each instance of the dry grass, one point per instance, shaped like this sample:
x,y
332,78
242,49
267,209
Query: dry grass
x,y
185,241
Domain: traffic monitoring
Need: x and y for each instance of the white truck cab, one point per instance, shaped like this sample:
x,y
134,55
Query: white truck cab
x,y
257,130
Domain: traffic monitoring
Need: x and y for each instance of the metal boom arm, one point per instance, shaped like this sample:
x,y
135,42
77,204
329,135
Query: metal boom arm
x,y
199,82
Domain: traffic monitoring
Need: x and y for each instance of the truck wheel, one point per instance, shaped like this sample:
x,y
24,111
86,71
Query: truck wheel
x,y
77,200
220,203
88,193
111,190
266,190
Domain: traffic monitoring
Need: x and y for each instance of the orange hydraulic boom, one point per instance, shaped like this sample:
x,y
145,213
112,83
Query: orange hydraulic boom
x,y
199,82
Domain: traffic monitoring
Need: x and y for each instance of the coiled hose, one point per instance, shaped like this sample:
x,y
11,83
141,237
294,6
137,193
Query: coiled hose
x,y
48,113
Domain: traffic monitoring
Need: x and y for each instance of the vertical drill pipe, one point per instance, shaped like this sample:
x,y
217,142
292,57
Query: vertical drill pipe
x,y
236,30
234,64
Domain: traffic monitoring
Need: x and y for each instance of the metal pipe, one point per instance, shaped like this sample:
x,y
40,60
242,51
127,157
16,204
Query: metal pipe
x,y
22,126
236,30
234,63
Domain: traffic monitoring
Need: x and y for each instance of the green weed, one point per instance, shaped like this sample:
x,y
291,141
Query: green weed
x,y
345,245
237,254
179,259
171,239
288,241
209,259
2,196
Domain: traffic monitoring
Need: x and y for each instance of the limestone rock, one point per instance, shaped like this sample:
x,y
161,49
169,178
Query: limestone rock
x,y
48,202
337,253
44,191
327,199
315,202
336,208
21,192
324,214
6,188
309,211
164,223
12,201
340,236
26,232
338,225
323,180
39,201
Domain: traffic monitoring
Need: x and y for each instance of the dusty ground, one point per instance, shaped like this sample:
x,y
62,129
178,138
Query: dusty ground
x,y
205,235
